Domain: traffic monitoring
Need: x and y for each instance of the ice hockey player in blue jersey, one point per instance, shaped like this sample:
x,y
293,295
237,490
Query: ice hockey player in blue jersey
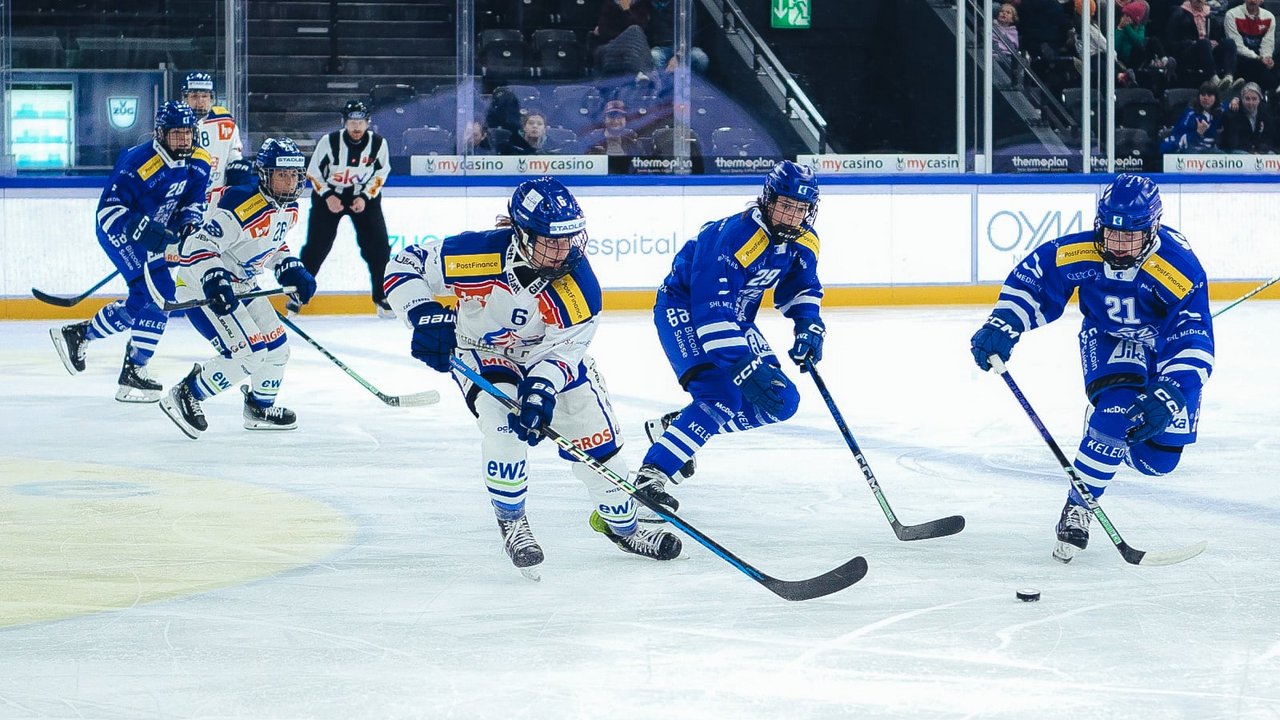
x,y
1146,343
527,306
154,197
241,239
705,315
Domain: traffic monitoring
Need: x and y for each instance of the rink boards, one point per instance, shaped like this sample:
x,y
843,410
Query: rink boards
x,y
922,241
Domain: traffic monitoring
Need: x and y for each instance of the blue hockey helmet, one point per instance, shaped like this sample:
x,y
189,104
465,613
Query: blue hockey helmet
x,y
282,169
175,115
795,181
1130,204
550,230
240,172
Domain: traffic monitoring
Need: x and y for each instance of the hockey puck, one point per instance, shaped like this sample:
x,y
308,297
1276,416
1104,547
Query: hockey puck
x,y
1028,595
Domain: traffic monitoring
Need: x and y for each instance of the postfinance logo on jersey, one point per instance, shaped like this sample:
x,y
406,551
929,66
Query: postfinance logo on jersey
x,y
472,265
1077,252
752,249
1168,275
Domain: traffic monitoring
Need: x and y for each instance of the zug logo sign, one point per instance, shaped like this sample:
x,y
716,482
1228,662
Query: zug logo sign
x,y
122,111
1010,230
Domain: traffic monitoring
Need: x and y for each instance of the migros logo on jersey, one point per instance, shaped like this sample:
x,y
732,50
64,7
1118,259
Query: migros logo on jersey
x,y
594,440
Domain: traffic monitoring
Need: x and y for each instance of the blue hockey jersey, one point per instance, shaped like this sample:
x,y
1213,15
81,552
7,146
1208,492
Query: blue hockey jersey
x,y
720,277
1162,304
144,181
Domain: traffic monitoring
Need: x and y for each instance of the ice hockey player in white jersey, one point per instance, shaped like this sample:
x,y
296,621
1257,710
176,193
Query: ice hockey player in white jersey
x,y
216,131
241,239
527,306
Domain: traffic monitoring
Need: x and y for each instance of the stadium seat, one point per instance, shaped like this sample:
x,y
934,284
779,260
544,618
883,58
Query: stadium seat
x,y
505,60
561,60
427,141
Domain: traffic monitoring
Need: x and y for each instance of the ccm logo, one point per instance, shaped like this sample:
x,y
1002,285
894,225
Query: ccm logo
x,y
595,440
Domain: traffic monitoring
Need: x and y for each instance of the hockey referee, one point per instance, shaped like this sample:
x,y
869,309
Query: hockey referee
x,y
347,172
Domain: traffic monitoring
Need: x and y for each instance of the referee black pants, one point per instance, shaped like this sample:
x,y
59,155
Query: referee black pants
x,y
371,236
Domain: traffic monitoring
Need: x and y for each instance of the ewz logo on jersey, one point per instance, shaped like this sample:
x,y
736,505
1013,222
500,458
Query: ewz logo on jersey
x,y
505,471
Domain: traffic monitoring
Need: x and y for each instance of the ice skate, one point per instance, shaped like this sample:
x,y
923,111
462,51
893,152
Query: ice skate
x,y
646,542
136,384
70,343
1073,532
292,308
650,483
384,311
182,407
654,429
266,418
521,546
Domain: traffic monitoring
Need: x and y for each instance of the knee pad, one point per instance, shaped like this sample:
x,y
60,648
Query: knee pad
x,y
716,391
1109,422
1150,458
278,355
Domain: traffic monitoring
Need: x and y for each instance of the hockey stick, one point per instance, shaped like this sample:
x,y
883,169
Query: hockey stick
x,y
1238,300
1128,552
169,307
816,587
941,527
427,397
45,297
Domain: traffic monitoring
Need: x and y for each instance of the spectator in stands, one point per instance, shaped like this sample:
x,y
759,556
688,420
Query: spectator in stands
x,y
1200,45
1197,130
615,138
1143,53
1005,45
533,135
616,18
504,111
1246,126
662,39
483,141
628,54
1253,29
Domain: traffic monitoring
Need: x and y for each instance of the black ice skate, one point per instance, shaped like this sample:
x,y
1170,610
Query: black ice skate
x,y
1073,532
292,308
183,408
266,418
655,428
70,343
646,542
651,483
136,384
521,546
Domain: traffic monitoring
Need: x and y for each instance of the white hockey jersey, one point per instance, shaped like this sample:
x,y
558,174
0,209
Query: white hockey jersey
x,y
513,318
245,234
218,135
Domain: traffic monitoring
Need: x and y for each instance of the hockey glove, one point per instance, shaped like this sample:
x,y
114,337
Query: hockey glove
x,y
537,404
148,233
1154,409
433,335
217,287
810,332
291,271
996,337
761,383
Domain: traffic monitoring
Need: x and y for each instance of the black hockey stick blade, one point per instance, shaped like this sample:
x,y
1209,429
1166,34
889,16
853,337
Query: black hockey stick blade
x,y
829,582
45,297
941,527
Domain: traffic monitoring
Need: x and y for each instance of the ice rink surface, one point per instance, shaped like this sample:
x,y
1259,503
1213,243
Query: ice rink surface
x,y
353,569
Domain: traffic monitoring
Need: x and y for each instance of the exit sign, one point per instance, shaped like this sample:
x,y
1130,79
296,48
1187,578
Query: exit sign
x,y
790,14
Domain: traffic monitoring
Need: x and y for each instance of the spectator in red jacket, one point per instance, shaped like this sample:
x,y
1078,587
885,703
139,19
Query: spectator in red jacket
x,y
1253,29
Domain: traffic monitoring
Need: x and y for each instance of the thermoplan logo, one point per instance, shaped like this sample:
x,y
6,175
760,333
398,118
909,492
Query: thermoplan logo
x,y
122,111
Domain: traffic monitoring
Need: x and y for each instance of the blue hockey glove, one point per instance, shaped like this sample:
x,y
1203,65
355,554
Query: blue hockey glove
x,y
537,404
433,335
291,271
761,383
1154,409
148,233
217,287
996,337
810,332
